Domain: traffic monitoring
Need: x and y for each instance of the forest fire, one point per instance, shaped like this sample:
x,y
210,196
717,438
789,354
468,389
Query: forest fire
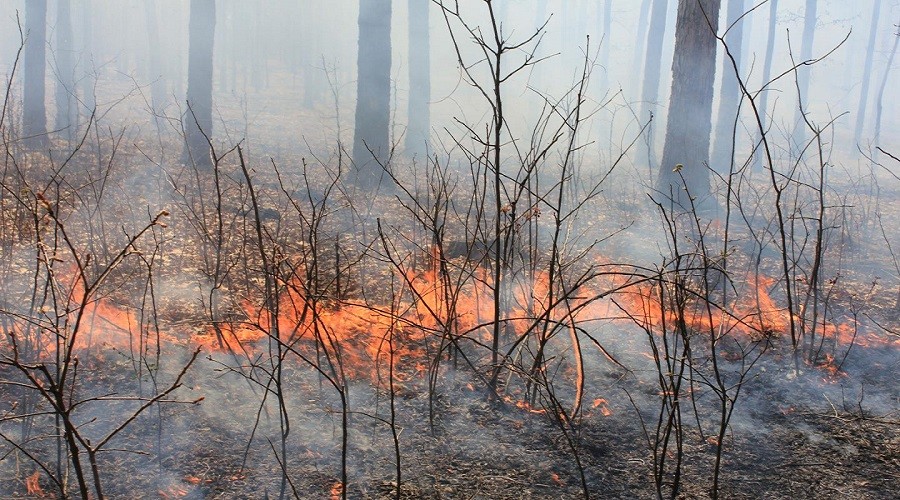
x,y
80,325
286,250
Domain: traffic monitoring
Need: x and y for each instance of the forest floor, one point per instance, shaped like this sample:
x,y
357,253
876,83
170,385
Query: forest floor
x,y
829,431
790,438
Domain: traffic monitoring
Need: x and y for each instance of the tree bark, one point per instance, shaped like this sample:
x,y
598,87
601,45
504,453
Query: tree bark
x,y
34,112
66,112
87,80
371,138
729,92
690,105
198,117
809,30
607,43
311,57
884,80
419,124
766,76
652,68
867,72
640,41
154,67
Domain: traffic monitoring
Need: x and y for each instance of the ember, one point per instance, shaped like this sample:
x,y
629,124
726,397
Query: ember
x,y
33,485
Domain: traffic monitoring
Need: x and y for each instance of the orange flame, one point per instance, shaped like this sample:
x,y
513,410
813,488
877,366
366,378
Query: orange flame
x,y
100,323
337,490
33,485
603,405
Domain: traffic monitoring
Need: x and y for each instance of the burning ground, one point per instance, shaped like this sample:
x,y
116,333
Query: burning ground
x,y
263,334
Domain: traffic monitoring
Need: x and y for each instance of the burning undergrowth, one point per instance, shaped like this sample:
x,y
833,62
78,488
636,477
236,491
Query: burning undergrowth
x,y
516,327
326,364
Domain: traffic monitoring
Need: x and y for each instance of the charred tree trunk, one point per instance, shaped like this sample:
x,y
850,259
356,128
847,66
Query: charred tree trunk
x,y
311,59
66,119
686,150
729,92
809,30
154,67
879,101
652,69
371,138
766,76
87,46
867,72
419,125
640,41
198,117
607,43
34,112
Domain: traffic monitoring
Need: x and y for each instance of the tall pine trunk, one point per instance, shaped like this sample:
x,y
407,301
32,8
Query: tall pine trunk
x,y
689,126
34,112
419,78
884,80
66,120
640,40
729,92
652,74
867,72
87,56
198,117
606,35
763,106
371,138
154,68
806,45
311,57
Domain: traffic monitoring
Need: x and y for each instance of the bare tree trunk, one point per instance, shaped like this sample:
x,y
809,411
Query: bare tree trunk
x,y
690,105
371,138
880,100
809,30
419,124
87,56
198,117
311,57
652,69
729,92
157,83
66,120
34,118
867,72
607,43
766,76
640,39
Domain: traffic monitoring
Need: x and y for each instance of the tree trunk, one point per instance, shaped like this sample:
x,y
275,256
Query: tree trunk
x,y
371,138
809,30
729,92
315,82
884,81
87,46
34,112
607,43
652,68
65,86
419,125
690,105
867,72
154,68
198,117
640,41
763,105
